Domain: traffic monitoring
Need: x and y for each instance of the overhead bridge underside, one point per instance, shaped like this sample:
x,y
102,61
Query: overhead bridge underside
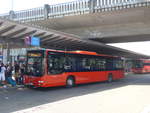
x,y
105,21
126,25
14,33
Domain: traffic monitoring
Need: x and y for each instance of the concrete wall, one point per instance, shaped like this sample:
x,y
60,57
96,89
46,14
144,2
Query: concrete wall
x,y
126,22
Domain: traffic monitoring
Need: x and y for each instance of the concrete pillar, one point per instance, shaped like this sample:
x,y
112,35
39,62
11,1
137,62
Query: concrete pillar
x,y
11,15
92,5
46,11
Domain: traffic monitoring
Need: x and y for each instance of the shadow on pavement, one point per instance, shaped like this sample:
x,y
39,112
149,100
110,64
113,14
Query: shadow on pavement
x,y
15,99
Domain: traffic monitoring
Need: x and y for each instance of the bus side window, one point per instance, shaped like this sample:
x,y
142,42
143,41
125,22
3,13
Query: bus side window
x,y
109,64
100,64
85,63
69,63
118,64
56,64
92,63
50,63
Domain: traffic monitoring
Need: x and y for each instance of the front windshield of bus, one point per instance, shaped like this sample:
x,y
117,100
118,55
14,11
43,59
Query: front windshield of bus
x,y
138,64
35,64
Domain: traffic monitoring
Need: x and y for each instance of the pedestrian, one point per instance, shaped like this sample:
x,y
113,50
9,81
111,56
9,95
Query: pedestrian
x,y
22,70
6,66
2,74
9,75
16,68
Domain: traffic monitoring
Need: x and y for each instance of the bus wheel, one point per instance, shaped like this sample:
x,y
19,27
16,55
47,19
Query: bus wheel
x,y
110,78
70,82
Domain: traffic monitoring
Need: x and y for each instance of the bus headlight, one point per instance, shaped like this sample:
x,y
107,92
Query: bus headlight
x,y
40,81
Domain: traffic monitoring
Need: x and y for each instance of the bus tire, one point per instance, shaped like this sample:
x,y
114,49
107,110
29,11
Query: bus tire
x,y
110,78
70,82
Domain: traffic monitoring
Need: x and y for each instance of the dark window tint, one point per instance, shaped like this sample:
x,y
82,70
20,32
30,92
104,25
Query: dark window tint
x,y
35,66
118,64
55,64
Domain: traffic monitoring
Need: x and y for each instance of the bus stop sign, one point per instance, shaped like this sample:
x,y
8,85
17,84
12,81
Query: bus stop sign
x,y
35,41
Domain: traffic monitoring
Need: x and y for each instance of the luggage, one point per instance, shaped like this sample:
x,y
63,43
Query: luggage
x,y
11,81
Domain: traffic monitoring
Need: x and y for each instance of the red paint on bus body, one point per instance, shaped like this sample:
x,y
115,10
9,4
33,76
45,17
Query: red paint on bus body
x,y
80,77
145,68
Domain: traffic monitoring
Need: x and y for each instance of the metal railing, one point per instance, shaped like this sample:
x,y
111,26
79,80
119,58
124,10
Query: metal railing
x,y
31,14
73,8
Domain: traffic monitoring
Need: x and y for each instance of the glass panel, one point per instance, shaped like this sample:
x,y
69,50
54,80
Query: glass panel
x,y
146,64
85,63
137,64
100,63
55,64
93,64
118,64
58,63
34,66
69,63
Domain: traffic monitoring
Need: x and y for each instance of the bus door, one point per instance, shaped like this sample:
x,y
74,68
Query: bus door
x,y
55,68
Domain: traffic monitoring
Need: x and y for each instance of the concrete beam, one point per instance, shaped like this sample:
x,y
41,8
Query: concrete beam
x,y
56,40
16,32
40,34
25,34
6,29
123,39
50,39
46,37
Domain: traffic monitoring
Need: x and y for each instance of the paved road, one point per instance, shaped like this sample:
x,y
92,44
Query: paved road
x,y
129,95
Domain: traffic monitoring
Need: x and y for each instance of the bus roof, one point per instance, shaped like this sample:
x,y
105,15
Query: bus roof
x,y
144,60
87,53
75,52
80,52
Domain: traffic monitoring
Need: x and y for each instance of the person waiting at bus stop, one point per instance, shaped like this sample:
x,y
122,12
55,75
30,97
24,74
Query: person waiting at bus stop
x,y
16,68
2,73
9,75
21,73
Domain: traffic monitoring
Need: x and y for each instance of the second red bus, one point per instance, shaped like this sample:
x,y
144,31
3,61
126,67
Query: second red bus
x,y
141,66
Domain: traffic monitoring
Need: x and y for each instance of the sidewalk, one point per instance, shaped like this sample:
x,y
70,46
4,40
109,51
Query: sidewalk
x,y
127,99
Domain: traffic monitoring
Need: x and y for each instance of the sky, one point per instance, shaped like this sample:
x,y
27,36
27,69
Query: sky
x,y
139,47
7,5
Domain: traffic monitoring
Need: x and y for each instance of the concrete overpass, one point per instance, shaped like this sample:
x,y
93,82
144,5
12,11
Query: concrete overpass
x,y
127,25
14,33
106,21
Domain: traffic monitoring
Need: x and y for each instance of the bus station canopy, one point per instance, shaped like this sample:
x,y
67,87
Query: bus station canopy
x,y
14,33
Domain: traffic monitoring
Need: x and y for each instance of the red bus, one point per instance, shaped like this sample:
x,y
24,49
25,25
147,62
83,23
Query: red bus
x,y
47,68
141,66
